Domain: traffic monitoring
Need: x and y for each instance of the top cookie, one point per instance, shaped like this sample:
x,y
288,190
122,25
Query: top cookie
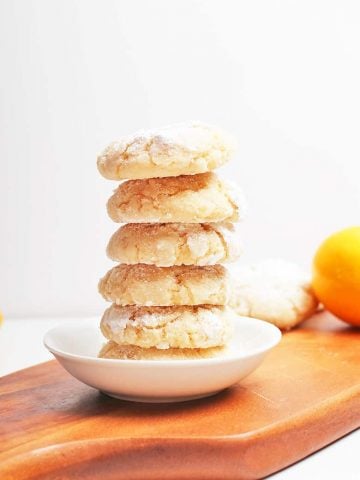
x,y
181,149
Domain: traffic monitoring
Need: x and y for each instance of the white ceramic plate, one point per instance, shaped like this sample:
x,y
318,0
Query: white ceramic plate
x,y
76,347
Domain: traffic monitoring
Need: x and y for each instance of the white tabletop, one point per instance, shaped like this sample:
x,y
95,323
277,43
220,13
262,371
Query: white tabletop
x,y
21,346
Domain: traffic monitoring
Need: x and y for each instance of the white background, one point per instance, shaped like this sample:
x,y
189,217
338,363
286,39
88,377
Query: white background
x,y
282,76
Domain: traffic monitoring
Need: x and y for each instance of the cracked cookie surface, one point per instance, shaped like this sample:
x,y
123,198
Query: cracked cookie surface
x,y
167,244
198,198
181,149
179,285
202,326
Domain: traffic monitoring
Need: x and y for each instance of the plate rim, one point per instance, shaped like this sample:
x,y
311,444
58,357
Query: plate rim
x,y
270,344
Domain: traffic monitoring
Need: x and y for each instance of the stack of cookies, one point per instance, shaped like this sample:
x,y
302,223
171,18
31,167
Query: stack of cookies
x,y
169,291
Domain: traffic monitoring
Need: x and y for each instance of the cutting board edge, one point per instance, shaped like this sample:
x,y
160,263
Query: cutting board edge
x,y
122,455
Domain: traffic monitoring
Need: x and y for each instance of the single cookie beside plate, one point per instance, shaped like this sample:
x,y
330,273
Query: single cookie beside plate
x,y
274,290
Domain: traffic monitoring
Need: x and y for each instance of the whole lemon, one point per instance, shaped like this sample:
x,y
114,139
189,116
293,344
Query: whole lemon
x,y
336,274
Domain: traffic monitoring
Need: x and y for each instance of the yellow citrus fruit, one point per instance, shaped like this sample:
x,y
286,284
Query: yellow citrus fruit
x,y
336,274
1,318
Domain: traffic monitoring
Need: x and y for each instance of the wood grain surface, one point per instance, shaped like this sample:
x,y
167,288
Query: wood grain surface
x,y
305,395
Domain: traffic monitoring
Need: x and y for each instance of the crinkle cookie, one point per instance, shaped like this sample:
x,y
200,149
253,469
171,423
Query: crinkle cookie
x,y
274,290
198,198
131,352
167,244
150,285
182,149
203,326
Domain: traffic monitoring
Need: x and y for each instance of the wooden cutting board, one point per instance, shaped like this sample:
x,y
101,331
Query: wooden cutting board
x,y
305,395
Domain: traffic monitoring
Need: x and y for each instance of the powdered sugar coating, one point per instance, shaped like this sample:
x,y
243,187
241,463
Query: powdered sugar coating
x,y
164,286
168,244
273,290
168,327
201,198
180,149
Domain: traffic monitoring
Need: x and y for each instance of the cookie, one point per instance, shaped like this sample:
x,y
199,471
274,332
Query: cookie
x,y
182,149
180,285
167,244
274,290
131,352
168,327
198,198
